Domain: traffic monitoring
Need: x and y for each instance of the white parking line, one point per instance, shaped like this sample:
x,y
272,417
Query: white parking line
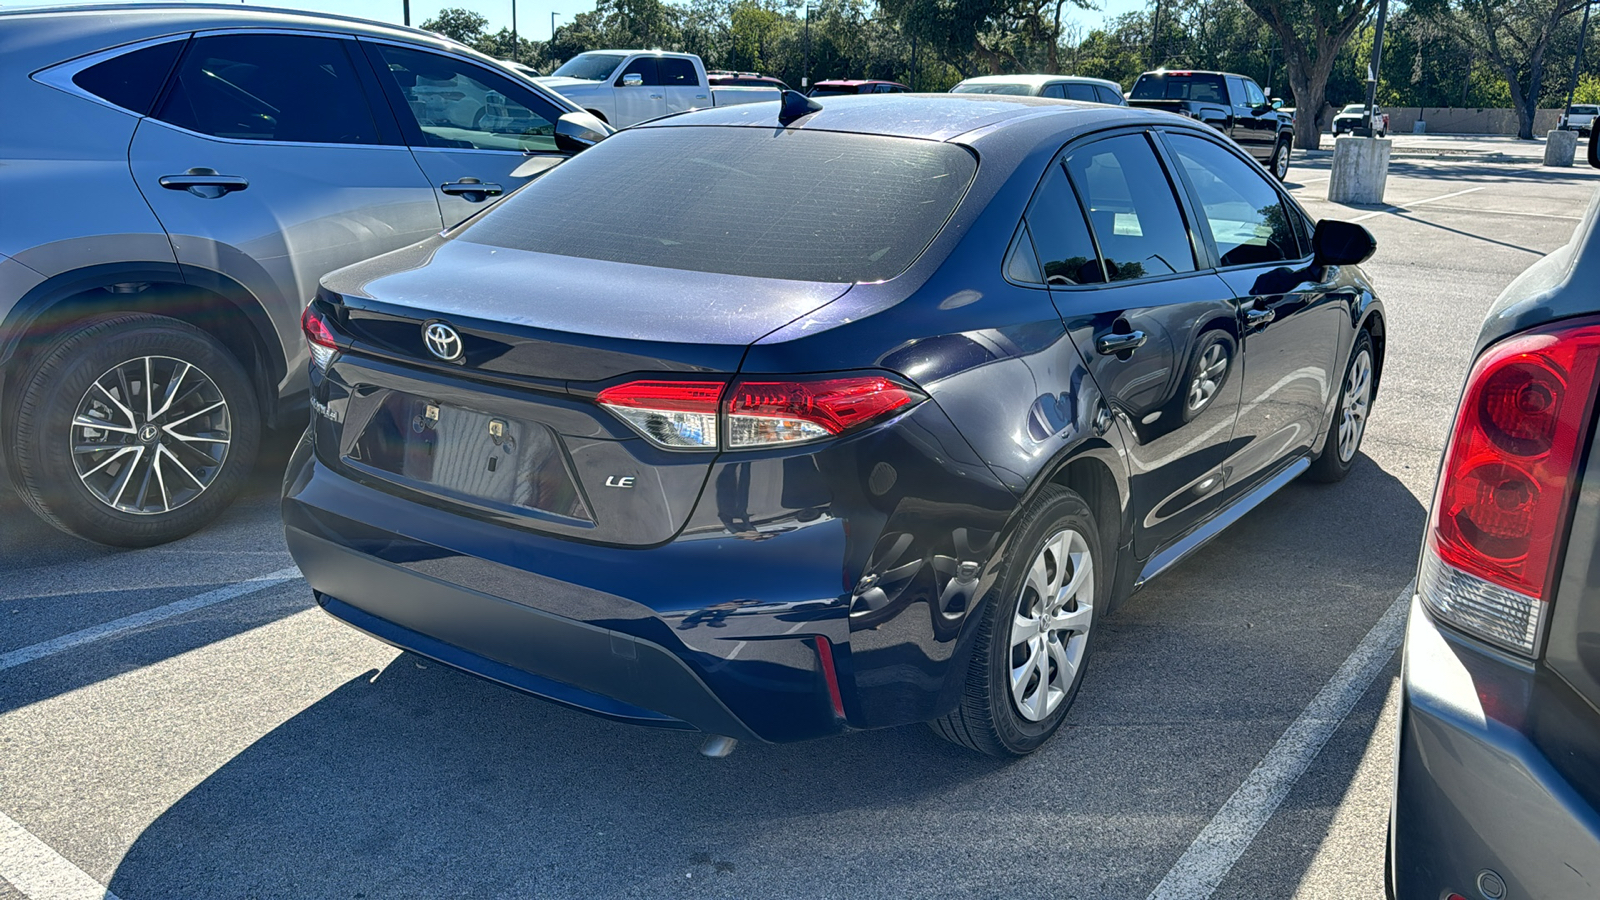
x,y
41,873
1219,845
1393,209
148,617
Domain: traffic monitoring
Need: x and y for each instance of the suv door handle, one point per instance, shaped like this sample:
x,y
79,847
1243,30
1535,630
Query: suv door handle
x,y
204,183
1258,318
471,189
1113,344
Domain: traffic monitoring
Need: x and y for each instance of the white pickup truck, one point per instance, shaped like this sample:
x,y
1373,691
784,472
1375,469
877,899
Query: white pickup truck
x,y
625,87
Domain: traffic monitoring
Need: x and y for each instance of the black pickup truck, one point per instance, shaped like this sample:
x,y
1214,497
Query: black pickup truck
x,y
1234,104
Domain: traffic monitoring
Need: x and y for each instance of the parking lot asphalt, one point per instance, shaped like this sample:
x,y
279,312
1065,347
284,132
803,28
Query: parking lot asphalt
x,y
253,747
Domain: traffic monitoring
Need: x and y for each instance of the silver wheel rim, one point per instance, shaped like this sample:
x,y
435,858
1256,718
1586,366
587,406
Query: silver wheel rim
x,y
1213,366
150,435
1280,164
1050,625
1357,400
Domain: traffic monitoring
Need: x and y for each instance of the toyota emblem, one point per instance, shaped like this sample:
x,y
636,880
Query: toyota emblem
x,y
442,340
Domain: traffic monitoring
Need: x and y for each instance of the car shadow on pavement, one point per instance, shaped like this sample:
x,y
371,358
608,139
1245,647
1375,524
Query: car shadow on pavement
x,y
418,780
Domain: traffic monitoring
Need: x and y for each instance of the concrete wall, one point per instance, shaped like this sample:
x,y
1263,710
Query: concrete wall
x,y
1446,120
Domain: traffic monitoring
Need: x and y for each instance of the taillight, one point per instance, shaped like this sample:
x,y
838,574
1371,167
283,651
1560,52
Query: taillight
x,y
319,338
1505,490
754,413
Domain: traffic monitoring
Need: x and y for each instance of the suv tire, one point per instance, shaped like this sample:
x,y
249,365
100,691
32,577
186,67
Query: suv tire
x,y
1057,545
165,463
1280,160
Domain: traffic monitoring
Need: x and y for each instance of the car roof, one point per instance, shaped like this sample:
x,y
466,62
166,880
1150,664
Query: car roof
x,y
938,117
853,82
641,53
1040,80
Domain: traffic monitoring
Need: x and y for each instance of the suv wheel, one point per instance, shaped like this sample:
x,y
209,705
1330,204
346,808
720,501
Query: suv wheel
x,y
1280,160
1034,638
134,430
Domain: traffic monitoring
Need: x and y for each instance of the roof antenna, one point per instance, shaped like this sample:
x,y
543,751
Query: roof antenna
x,y
793,105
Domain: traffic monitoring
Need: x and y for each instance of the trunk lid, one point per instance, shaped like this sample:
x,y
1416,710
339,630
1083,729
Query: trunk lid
x,y
509,429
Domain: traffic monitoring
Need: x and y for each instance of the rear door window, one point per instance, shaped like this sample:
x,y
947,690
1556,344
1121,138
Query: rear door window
x,y
793,204
270,87
1172,86
1083,92
1107,95
133,79
1132,208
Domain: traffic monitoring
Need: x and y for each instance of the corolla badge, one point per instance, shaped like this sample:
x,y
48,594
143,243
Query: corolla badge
x,y
442,341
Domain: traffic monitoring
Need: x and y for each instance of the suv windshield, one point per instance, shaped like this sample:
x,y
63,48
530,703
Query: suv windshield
x,y
1176,86
992,88
800,205
590,66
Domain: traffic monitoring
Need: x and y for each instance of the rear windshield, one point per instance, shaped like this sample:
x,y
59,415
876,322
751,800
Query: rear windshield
x,y
771,203
1168,86
590,66
833,91
990,87
1581,110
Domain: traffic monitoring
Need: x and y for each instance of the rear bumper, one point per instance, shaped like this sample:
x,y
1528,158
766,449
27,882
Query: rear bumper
x,y
1473,789
663,636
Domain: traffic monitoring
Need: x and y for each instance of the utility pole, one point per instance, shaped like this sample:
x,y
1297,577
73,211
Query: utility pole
x,y
515,47
405,11
1583,31
1373,69
805,76
913,63
553,29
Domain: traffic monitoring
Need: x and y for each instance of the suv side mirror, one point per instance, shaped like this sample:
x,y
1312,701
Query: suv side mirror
x,y
1594,149
632,79
1276,103
578,131
1336,243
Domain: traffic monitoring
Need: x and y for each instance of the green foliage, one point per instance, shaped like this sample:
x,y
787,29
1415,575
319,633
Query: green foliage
x,y
462,25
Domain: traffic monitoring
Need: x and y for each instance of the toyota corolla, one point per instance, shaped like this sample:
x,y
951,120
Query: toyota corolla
x,y
789,419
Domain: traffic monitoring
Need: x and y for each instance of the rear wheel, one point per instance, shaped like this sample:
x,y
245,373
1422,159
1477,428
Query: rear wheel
x,y
1339,448
1034,639
1280,160
134,430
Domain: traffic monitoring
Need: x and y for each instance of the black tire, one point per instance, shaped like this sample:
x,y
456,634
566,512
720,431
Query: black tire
x,y
1332,466
46,467
1279,166
988,719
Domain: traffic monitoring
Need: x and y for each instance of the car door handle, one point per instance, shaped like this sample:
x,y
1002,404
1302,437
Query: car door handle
x,y
471,189
655,96
204,183
1113,344
1258,318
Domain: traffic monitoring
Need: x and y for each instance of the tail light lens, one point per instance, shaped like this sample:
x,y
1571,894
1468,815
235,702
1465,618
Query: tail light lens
x,y
1506,488
752,414
319,338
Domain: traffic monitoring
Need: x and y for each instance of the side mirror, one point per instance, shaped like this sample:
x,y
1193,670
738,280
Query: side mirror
x,y
1276,103
578,131
1336,243
1594,149
632,79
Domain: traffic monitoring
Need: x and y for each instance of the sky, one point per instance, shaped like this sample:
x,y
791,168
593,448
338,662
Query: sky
x,y
533,16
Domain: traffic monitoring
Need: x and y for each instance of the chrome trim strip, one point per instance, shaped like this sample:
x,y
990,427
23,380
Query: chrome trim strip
x,y
1198,538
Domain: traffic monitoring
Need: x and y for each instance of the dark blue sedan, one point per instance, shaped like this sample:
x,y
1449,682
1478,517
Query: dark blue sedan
x,y
782,420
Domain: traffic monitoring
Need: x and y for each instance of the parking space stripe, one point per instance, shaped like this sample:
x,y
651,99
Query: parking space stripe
x,y
1394,209
148,617
1221,843
41,873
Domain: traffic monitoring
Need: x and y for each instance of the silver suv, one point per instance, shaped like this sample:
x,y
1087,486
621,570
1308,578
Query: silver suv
x,y
185,176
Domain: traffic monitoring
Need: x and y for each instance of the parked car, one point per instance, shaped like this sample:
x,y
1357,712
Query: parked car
x,y
853,470
836,88
189,174
626,87
1233,104
1354,114
745,79
1059,87
1579,118
522,69
1497,791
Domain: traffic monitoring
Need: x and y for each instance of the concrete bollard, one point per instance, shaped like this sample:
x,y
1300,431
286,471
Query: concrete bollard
x,y
1360,170
1560,146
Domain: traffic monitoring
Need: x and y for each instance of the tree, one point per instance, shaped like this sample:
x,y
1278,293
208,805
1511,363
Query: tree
x,y
1512,35
1311,32
458,24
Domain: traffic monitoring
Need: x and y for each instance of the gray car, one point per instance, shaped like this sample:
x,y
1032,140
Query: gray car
x,y
1497,777
175,178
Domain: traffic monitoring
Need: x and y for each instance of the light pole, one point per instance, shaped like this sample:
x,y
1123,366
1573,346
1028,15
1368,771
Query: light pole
x,y
515,56
805,76
1583,31
1372,69
405,12
553,25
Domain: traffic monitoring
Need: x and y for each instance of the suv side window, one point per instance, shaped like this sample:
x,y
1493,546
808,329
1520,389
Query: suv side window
x,y
451,103
1132,209
645,67
1081,92
1237,95
270,87
1109,96
131,80
1253,94
1061,238
677,72
1248,220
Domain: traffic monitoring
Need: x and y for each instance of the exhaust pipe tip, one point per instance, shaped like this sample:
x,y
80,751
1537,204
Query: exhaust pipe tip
x,y
718,746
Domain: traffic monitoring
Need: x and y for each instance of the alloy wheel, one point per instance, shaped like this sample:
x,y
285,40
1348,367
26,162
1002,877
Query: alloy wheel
x,y
1280,162
150,435
1050,625
1357,402
1213,366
